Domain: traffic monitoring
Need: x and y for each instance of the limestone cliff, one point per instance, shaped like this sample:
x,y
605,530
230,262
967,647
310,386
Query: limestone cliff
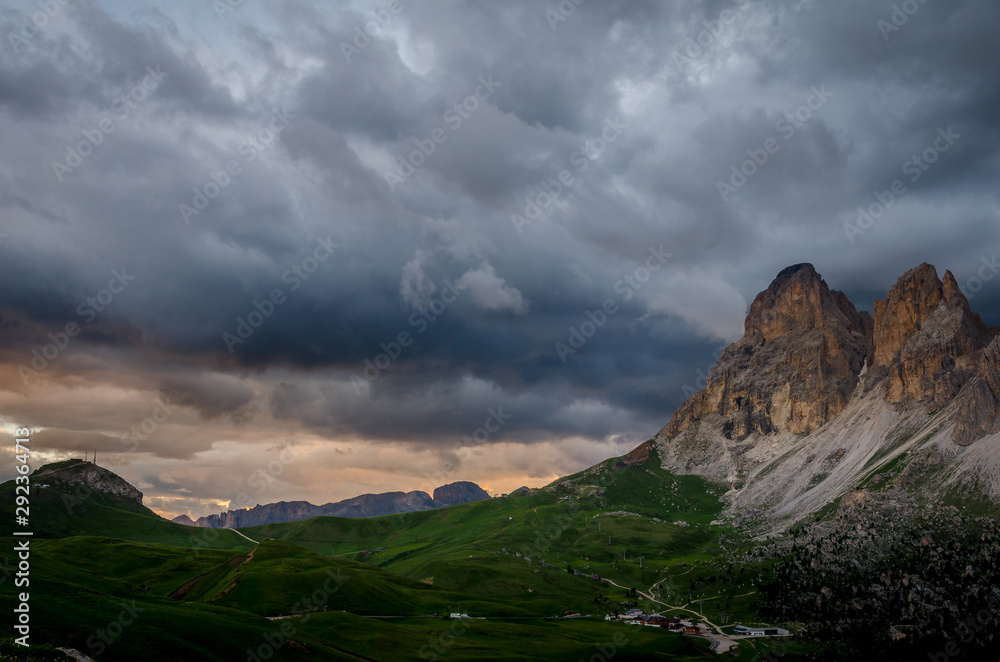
x,y
802,350
460,492
927,341
817,400
979,403
81,477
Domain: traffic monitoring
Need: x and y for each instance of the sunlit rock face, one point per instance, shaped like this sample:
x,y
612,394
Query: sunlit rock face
x,y
795,367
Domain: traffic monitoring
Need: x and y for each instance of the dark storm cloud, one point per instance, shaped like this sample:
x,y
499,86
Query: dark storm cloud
x,y
280,142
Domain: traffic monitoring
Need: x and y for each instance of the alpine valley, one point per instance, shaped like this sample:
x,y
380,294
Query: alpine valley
x,y
835,484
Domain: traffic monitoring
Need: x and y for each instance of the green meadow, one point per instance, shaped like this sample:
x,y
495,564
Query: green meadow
x,y
536,572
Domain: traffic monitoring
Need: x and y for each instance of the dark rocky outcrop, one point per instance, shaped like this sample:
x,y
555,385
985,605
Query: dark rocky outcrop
x,y
460,492
375,505
979,403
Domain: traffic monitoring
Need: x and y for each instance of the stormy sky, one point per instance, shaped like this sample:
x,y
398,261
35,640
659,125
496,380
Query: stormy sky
x,y
308,250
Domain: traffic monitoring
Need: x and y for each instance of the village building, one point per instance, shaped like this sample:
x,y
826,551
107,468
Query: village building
x,y
759,632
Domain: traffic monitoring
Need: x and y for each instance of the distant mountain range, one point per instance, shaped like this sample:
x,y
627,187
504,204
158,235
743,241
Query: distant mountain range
x,y
366,505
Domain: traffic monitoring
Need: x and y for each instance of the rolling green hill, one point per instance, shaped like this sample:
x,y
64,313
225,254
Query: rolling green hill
x,y
65,508
525,561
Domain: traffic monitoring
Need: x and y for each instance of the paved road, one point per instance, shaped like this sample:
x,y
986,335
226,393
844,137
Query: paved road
x,y
240,534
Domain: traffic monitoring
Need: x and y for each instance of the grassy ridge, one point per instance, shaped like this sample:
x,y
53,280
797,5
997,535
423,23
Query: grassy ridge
x,y
204,593
517,549
57,512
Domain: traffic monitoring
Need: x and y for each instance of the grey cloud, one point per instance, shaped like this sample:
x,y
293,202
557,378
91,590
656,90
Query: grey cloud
x,y
323,175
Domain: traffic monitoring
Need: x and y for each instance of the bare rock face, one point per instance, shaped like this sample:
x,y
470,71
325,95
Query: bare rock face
x,y
797,412
795,368
283,511
375,505
927,341
456,493
637,455
979,403
88,476
856,499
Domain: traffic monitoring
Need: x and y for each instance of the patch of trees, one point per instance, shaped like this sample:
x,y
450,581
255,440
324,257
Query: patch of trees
x,y
895,590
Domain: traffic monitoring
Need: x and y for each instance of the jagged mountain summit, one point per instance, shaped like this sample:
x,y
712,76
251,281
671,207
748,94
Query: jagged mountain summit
x,y
796,366
817,399
366,505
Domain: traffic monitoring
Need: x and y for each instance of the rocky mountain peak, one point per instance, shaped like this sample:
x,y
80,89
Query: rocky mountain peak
x,y
88,476
460,492
925,415
927,340
802,350
909,303
798,298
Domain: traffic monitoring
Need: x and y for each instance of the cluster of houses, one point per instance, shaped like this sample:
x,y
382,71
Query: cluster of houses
x,y
639,617
758,632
